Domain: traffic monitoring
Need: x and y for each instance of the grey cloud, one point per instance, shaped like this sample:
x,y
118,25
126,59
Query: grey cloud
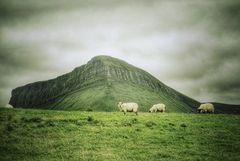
x,y
191,46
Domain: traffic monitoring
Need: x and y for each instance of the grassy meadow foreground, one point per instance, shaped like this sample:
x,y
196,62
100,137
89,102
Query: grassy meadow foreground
x,y
63,135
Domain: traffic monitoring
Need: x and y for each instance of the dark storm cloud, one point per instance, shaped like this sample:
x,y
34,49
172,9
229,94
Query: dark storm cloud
x,y
210,68
15,63
210,74
191,46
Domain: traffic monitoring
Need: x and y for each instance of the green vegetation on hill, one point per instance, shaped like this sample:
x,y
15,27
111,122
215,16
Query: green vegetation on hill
x,y
99,85
106,96
70,135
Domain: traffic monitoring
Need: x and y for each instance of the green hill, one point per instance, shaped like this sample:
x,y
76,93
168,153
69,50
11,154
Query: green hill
x,y
99,85
39,135
226,108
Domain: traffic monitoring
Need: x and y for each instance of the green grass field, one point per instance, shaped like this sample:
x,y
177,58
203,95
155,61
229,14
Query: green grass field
x,y
69,135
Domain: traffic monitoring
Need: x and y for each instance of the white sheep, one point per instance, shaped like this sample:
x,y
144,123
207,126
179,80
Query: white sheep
x,y
8,106
206,108
158,108
128,107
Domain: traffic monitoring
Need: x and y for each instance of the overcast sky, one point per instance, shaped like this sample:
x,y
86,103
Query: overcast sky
x,y
192,46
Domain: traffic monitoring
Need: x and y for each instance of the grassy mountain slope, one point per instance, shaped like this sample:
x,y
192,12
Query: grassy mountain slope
x,y
99,85
106,96
102,136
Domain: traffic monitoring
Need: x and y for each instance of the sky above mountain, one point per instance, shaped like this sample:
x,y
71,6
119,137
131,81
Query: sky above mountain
x,y
192,46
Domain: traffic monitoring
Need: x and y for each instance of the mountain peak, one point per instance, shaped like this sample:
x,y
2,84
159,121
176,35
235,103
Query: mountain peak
x,y
108,60
102,57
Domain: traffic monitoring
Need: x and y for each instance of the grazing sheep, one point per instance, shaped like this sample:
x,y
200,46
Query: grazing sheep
x,y
128,107
206,108
8,106
158,108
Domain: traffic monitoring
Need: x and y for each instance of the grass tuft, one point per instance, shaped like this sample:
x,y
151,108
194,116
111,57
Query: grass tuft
x,y
183,125
90,118
150,124
32,119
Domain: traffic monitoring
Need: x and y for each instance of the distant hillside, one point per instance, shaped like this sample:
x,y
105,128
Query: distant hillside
x,y
99,85
226,108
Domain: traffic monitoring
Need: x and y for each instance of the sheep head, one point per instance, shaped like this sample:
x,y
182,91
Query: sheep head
x,y
150,110
200,109
119,106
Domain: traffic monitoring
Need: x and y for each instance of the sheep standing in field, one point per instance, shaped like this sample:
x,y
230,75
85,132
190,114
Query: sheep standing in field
x,y
158,108
8,106
206,108
128,107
